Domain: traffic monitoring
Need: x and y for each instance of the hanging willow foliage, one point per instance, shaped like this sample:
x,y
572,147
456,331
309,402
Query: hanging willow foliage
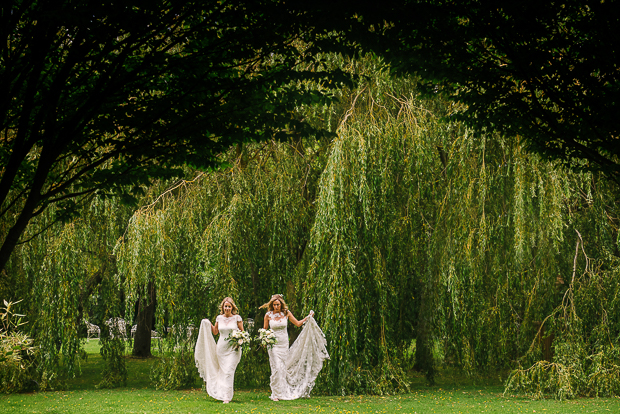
x,y
239,232
62,274
586,331
370,261
469,223
159,252
403,232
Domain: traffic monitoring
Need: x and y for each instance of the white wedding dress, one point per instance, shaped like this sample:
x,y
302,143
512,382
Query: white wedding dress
x,y
294,370
217,363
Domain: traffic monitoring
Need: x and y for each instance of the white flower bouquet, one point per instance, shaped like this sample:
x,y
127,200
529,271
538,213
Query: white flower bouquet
x,y
239,340
266,338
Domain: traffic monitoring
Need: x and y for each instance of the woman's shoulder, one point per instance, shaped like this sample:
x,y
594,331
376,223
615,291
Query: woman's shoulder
x,y
268,314
238,318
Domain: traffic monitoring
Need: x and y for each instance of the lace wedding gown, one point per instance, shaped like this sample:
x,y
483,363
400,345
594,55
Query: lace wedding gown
x,y
294,370
217,363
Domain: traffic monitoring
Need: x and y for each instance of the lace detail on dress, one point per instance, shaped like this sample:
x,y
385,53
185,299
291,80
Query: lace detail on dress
x,y
276,316
294,370
305,359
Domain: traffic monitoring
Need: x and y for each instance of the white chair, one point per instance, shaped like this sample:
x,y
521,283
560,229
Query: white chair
x,y
92,329
117,324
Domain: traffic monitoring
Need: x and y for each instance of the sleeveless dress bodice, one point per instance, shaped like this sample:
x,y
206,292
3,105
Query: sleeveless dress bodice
x,y
278,322
226,326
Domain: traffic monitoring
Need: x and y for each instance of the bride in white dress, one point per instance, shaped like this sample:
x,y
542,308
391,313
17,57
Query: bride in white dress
x,y
217,363
294,370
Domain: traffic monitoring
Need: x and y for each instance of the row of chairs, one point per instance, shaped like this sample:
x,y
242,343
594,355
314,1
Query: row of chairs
x,y
119,325
115,325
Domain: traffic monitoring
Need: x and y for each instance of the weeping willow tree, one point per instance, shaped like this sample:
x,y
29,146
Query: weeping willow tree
x,y
463,240
241,232
373,272
64,274
166,240
403,228
404,233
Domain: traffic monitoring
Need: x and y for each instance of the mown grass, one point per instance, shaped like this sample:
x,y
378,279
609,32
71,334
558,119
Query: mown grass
x,y
431,400
140,397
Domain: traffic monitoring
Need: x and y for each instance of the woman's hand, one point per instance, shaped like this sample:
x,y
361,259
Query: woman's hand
x,y
309,316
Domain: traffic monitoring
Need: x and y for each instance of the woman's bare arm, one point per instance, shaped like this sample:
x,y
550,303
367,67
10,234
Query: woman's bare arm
x,y
294,321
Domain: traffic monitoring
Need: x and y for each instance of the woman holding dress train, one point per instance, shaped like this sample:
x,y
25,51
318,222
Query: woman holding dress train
x,y
217,363
293,370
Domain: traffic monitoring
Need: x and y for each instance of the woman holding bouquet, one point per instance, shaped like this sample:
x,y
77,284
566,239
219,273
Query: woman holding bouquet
x,y
217,363
293,370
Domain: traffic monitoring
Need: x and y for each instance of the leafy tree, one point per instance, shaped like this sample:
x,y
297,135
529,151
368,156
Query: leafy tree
x,y
102,98
401,228
547,71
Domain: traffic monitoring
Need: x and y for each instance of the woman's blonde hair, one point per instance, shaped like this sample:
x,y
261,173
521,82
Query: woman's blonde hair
x,y
269,305
232,302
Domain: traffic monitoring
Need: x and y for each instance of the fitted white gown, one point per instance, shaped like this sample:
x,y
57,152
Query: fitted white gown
x,y
294,370
217,363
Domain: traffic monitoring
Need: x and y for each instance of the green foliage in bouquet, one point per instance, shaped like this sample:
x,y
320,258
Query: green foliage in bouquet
x,y
266,338
239,340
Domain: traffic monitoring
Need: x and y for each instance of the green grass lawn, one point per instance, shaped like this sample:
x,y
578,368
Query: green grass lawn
x,y
139,397
435,400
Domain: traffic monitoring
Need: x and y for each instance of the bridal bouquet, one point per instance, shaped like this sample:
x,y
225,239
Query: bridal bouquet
x,y
239,340
266,338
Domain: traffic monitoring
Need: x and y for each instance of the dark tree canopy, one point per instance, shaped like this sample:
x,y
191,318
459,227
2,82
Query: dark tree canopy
x,y
102,98
546,71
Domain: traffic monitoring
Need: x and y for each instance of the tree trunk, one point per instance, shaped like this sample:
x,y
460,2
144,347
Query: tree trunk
x,y
27,211
146,310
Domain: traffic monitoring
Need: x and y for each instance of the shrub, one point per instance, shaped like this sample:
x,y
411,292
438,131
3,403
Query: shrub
x,y
175,370
17,355
115,371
